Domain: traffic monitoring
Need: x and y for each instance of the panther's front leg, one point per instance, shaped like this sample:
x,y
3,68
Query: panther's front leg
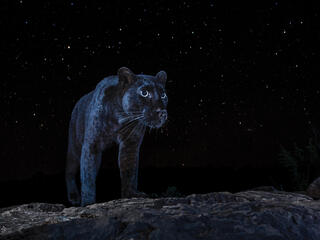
x,y
129,164
88,173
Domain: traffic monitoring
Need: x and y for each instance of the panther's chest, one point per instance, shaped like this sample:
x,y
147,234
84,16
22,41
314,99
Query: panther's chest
x,y
109,130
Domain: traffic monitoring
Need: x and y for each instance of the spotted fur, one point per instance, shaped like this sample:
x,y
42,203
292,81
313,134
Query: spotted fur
x,y
118,110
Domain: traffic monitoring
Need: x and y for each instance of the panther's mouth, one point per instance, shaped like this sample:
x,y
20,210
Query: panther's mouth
x,y
155,119
154,124
151,120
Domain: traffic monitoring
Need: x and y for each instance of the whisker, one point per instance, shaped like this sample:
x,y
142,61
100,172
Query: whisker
x,y
131,115
136,118
133,130
129,124
140,129
132,112
127,120
126,127
132,118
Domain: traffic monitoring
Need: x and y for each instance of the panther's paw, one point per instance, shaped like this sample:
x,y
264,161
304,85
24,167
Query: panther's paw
x,y
74,199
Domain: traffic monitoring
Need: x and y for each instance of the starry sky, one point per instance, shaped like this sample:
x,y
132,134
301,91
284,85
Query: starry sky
x,y
243,78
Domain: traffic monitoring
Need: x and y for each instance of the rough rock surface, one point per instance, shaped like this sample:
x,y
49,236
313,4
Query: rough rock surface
x,y
314,189
249,215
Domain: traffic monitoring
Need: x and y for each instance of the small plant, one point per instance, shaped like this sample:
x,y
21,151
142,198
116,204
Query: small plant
x,y
297,164
171,191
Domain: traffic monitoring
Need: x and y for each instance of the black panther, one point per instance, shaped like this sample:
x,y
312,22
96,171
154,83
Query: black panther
x,y
119,110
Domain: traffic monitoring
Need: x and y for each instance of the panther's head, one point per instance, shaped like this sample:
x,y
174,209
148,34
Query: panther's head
x,y
144,97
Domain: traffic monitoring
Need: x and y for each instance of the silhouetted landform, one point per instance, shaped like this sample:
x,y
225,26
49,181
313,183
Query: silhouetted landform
x,y
246,215
313,189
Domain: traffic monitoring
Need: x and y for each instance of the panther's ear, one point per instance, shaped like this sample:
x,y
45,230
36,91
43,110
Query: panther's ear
x,y
162,77
126,76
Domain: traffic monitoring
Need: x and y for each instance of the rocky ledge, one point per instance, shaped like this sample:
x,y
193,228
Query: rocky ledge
x,y
249,215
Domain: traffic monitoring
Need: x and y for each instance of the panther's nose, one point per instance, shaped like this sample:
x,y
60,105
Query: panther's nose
x,y
163,115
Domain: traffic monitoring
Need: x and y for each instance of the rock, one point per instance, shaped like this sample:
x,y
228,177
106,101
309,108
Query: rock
x,y
245,215
314,189
265,188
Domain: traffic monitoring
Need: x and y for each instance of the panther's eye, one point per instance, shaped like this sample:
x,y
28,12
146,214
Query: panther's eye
x,y
163,95
144,93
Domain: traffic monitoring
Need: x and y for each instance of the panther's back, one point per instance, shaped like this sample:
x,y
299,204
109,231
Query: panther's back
x,y
80,115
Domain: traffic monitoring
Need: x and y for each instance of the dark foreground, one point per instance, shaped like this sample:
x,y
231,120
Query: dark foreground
x,y
245,215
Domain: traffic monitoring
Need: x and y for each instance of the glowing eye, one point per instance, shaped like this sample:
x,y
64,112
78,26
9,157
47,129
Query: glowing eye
x,y
164,95
144,93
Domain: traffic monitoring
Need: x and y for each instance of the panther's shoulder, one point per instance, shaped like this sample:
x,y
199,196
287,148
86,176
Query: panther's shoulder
x,y
105,86
107,82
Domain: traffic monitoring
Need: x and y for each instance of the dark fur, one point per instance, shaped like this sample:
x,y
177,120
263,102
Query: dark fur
x,y
107,115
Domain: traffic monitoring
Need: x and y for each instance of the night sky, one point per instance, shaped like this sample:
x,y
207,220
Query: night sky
x,y
243,78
